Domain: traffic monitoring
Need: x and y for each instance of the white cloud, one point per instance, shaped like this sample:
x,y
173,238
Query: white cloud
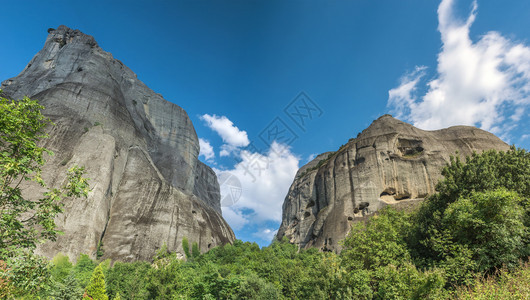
x,y
235,218
402,97
484,83
206,149
231,135
266,234
226,150
265,180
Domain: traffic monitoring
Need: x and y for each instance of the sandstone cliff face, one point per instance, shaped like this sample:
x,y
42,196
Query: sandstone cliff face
x,y
389,163
140,152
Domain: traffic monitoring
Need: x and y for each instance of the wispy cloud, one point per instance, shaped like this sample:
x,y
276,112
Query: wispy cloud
x,y
206,150
266,234
231,135
484,83
402,98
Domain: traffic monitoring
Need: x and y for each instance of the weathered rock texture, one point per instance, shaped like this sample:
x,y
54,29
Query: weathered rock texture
x,y
140,152
389,163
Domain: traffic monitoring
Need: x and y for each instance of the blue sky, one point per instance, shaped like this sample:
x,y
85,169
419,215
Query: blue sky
x,y
237,68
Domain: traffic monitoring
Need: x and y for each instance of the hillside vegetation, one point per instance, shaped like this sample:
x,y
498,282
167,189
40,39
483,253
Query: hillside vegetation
x,y
468,241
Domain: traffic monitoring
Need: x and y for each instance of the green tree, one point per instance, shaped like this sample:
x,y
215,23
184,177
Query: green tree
x,y
471,217
25,222
96,289
186,247
83,269
378,242
195,252
128,279
61,267
491,225
67,289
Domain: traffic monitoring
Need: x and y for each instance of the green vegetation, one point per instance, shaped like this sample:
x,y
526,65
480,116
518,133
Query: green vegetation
x,y
195,252
26,222
186,247
99,250
96,289
504,285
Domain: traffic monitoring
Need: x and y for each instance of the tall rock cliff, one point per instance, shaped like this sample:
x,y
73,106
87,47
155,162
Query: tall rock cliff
x,y
389,163
140,152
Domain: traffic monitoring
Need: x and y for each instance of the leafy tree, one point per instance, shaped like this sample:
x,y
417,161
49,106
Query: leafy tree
x,y
455,259
26,222
195,252
84,269
67,289
6,286
473,215
186,247
96,289
489,170
378,242
128,279
406,282
28,273
254,287
491,225
61,267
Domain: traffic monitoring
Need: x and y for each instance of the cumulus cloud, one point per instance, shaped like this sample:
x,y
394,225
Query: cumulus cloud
x,y
484,83
231,135
265,179
206,149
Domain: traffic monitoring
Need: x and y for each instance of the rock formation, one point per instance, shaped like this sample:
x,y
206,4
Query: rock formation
x,y
389,163
140,153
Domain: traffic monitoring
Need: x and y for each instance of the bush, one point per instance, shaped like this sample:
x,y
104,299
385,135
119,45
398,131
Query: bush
x,y
504,285
481,212
378,242
491,225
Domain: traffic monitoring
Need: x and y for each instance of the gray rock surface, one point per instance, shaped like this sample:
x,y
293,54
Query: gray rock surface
x,y
389,163
140,152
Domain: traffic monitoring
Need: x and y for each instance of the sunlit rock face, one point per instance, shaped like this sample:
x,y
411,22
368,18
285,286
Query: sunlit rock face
x,y
140,153
389,163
